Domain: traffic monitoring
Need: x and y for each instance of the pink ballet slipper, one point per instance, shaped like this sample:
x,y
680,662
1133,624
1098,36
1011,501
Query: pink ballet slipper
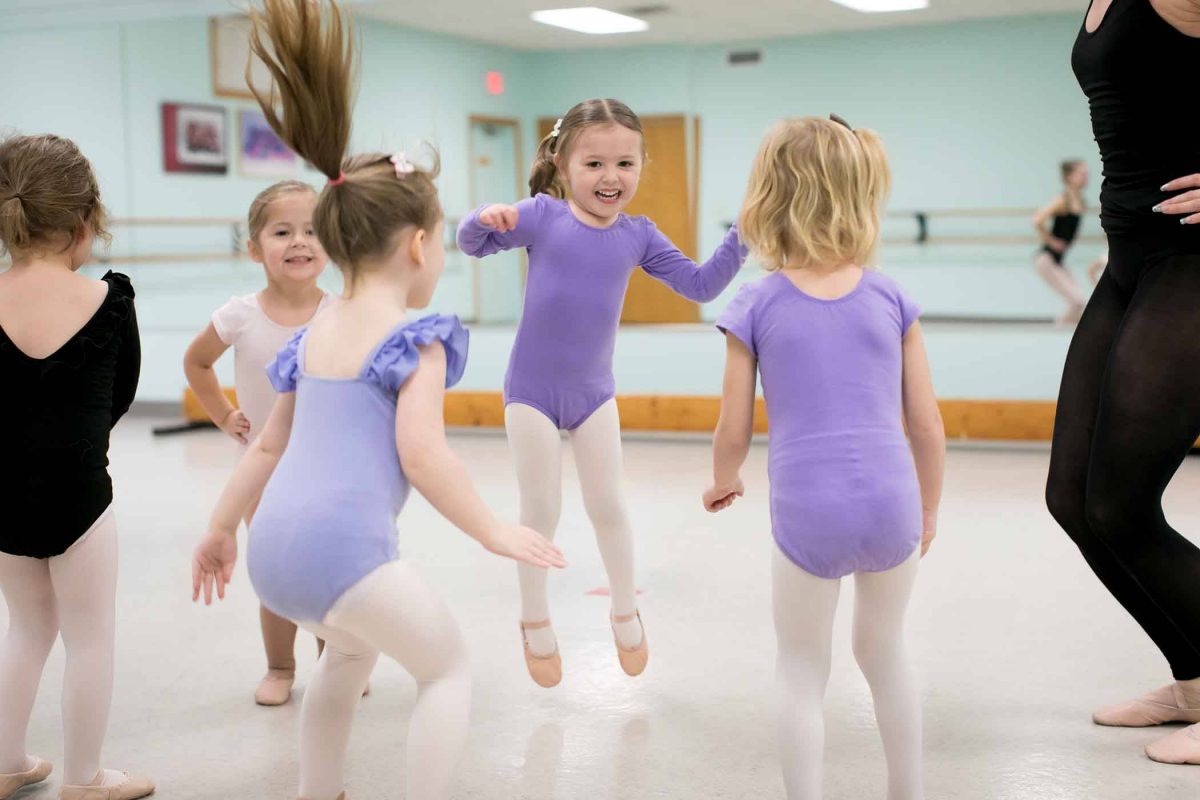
x,y
1181,747
12,781
1157,708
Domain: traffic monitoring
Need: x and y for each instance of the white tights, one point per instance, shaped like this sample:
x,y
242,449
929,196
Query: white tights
x,y
75,594
394,612
804,609
537,452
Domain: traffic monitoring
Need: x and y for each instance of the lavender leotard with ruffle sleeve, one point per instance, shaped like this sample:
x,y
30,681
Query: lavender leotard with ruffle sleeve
x,y
328,515
562,360
844,491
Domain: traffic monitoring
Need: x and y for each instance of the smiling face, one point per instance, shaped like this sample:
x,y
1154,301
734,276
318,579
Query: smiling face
x,y
286,246
602,170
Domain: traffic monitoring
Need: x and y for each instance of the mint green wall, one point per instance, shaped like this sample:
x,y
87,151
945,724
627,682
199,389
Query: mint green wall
x,y
974,114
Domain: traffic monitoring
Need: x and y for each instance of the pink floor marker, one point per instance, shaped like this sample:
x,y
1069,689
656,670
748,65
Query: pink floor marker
x,y
602,591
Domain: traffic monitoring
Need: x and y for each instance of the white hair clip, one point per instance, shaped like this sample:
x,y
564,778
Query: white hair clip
x,y
557,128
402,164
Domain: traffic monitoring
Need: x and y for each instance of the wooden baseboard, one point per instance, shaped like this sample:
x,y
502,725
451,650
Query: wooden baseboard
x,y
1023,420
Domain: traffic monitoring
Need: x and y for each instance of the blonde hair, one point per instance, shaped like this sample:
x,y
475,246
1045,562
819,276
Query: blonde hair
x,y
814,194
260,208
544,177
48,194
371,198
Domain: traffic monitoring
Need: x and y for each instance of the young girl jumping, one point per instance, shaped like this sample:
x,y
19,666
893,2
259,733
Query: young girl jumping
x,y
70,358
582,251
358,421
256,326
845,374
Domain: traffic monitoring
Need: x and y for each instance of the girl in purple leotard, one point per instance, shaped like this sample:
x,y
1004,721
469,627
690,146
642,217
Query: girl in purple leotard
x,y
582,250
358,421
844,373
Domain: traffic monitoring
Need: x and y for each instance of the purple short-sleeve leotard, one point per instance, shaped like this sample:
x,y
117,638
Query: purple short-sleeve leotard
x,y
561,362
844,492
328,515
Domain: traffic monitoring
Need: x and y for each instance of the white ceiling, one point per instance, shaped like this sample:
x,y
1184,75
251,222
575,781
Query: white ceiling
x,y
507,22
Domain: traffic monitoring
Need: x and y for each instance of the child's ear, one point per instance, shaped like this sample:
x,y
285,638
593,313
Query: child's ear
x,y
416,248
255,252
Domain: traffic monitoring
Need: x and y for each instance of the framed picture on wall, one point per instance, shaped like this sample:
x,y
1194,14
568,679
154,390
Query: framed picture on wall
x,y
229,52
194,138
260,152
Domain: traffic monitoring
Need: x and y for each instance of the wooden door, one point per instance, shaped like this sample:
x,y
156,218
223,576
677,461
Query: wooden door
x,y
665,195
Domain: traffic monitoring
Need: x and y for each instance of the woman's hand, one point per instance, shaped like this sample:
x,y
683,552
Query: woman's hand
x,y
1186,204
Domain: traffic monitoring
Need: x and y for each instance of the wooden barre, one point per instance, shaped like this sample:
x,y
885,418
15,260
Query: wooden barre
x,y
177,221
171,258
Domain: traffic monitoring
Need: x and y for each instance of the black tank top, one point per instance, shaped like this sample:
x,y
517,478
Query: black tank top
x,y
1065,226
1134,69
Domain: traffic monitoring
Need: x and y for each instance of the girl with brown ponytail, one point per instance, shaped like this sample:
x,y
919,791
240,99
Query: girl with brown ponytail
x,y
357,423
582,251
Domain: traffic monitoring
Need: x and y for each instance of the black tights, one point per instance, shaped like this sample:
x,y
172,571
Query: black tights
x,y
1128,412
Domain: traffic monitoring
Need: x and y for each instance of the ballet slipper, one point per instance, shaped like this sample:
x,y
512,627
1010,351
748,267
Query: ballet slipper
x,y
1156,708
546,671
131,788
275,689
1181,747
12,781
633,660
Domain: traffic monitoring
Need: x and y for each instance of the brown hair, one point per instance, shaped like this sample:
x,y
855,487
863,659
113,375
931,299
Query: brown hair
x,y
543,179
257,218
1069,166
814,195
313,63
48,194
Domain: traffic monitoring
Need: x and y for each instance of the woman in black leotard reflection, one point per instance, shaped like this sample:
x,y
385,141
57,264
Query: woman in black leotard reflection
x,y
1064,216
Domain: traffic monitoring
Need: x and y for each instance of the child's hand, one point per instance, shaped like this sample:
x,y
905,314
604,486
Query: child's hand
x,y
236,425
928,531
213,562
721,496
502,218
523,544
1057,245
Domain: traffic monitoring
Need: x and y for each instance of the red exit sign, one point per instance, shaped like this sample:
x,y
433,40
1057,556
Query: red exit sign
x,y
495,82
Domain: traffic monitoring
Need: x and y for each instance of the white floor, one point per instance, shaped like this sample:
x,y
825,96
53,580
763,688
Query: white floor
x,y
1015,639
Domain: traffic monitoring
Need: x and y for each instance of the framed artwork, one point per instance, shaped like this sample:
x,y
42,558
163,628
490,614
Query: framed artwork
x,y
261,153
229,53
194,138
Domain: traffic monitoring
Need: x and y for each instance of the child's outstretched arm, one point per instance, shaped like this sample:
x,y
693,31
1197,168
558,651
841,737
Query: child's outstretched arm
x,y
198,362
490,229
433,469
698,282
735,426
926,433
216,555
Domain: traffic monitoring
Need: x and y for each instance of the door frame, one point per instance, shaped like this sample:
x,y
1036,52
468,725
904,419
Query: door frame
x,y
518,161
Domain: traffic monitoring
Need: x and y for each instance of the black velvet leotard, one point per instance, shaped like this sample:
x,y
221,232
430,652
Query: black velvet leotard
x,y
58,412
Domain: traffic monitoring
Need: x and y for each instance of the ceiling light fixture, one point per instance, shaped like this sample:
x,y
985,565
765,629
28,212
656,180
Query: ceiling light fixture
x,y
881,6
590,20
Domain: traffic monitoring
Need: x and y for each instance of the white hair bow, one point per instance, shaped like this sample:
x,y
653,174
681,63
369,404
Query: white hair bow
x,y
402,164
